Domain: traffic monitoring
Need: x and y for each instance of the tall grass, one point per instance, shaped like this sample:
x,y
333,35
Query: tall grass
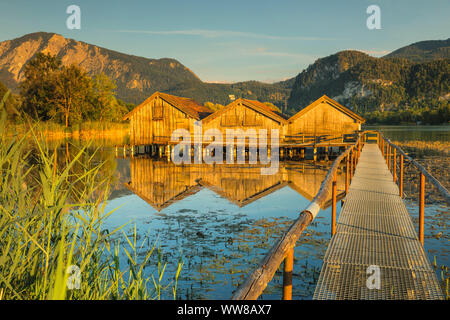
x,y
52,241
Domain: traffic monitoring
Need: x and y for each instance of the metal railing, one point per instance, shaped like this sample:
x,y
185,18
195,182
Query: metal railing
x,y
312,140
283,250
391,152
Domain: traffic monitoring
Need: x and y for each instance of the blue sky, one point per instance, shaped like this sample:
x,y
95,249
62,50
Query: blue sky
x,y
228,41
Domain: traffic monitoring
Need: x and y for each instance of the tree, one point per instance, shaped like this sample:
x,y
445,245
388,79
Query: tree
x,y
38,87
273,107
104,101
11,102
68,94
72,89
212,106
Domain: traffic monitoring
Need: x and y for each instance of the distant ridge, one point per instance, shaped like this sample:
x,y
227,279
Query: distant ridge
x,y
423,51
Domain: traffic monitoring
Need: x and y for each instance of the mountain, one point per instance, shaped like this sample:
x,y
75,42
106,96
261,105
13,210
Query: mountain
x,y
423,51
136,77
406,77
368,84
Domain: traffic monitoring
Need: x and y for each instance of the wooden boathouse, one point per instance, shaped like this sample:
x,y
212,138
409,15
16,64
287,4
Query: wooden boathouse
x,y
324,118
246,114
154,120
323,124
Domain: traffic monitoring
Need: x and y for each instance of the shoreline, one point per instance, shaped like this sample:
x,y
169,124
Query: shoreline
x,y
52,131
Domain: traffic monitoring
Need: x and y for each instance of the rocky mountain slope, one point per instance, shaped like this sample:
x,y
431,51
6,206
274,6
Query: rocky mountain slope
x,y
366,83
136,77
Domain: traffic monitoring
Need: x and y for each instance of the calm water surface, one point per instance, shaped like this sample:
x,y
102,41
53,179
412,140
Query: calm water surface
x,y
221,220
413,132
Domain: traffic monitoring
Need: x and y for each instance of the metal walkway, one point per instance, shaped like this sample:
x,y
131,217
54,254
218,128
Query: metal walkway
x,y
375,228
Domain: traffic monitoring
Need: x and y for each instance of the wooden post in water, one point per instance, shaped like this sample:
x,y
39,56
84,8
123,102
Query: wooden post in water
x,y
287,275
168,152
401,176
333,205
421,207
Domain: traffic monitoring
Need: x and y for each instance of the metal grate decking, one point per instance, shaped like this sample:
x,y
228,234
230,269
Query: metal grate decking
x,y
374,228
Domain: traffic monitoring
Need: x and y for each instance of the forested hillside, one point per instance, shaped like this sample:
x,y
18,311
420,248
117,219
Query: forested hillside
x,y
381,89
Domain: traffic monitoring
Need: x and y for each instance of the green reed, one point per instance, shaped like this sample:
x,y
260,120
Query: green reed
x,y
51,219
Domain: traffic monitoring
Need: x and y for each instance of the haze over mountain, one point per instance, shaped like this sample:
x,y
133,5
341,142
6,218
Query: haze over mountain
x,y
362,82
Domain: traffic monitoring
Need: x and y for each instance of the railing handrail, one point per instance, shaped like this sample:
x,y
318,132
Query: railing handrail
x,y
422,169
257,281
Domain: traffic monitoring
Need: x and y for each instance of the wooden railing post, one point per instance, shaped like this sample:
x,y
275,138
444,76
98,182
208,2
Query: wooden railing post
x,y
287,275
421,207
351,165
347,175
333,206
357,153
389,157
359,148
401,176
394,168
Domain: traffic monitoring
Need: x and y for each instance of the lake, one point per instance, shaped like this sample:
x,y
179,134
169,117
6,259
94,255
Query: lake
x,y
221,220
413,132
